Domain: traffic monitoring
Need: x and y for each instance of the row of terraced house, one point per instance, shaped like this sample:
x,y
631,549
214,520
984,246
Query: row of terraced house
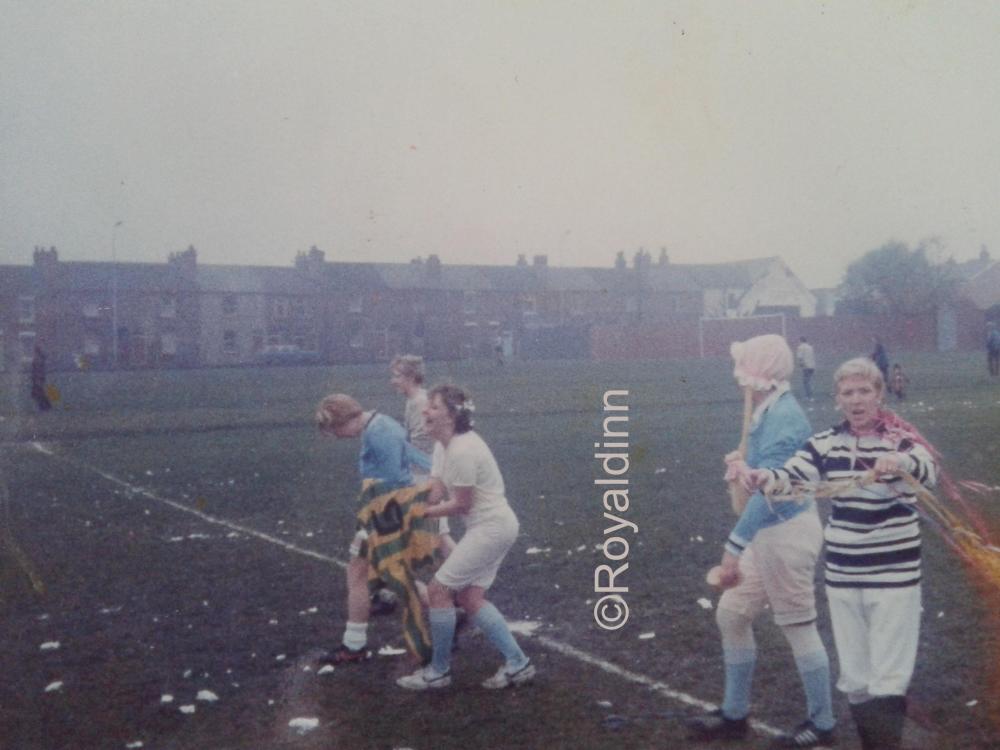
x,y
182,313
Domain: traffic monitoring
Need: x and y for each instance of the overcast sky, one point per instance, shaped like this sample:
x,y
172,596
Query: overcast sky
x,y
480,130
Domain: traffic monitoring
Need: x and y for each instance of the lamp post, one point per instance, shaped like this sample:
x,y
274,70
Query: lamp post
x,y
114,296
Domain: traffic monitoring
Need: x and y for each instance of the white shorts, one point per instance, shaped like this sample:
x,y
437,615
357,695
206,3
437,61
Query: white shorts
x,y
477,557
876,632
779,568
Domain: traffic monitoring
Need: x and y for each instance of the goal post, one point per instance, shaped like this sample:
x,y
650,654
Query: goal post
x,y
715,334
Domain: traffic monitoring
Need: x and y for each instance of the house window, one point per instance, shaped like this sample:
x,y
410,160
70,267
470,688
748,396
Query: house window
x,y
229,304
91,345
229,342
355,304
26,309
27,345
279,308
91,310
168,344
168,306
529,304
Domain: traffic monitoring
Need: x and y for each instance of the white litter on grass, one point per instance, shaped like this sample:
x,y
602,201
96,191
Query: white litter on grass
x,y
604,704
207,696
42,617
390,651
646,636
272,622
326,669
52,687
188,708
537,550
972,703
137,743
270,701
661,470
176,539
307,668
149,472
310,611
198,535
49,646
941,614
523,627
166,698
279,657
232,535
111,610
704,603
304,724
581,548
187,673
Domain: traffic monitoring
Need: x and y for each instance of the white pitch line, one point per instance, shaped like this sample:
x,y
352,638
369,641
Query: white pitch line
x,y
550,643
193,511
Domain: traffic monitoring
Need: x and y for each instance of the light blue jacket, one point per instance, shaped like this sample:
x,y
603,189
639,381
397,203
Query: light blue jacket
x,y
782,429
386,455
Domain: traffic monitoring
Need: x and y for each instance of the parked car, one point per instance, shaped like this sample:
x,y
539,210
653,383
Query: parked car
x,y
286,354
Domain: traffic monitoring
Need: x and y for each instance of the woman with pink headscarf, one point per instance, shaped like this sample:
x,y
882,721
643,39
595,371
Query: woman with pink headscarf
x,y
770,558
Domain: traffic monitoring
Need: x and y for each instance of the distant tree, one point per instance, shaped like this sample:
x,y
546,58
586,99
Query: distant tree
x,y
896,280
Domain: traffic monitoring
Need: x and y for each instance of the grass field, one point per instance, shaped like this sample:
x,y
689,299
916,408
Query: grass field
x,y
141,593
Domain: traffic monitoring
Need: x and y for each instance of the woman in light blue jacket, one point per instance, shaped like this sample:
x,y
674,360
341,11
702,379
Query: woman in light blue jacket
x,y
770,558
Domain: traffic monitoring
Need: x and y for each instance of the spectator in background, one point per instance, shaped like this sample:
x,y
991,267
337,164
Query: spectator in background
x,y
881,358
806,359
38,392
898,381
408,373
993,348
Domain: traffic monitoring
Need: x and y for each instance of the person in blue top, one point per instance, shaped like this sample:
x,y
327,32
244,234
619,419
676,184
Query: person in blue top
x,y
386,457
770,559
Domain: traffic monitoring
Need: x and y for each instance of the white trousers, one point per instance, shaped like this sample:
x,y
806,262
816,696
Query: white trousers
x,y
876,632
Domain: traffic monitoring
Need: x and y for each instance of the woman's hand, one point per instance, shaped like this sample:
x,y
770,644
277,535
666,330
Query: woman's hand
x,y
729,571
760,479
892,463
438,491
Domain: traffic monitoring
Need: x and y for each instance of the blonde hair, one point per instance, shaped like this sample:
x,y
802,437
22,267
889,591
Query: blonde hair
x,y
335,411
409,366
860,367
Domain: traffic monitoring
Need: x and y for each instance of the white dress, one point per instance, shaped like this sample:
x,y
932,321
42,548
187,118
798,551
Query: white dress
x,y
491,526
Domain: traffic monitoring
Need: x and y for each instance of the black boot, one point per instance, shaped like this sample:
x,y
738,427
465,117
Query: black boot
x,y
880,722
862,714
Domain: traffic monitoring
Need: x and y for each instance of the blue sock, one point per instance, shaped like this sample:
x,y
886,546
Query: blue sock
x,y
442,634
491,622
739,676
814,669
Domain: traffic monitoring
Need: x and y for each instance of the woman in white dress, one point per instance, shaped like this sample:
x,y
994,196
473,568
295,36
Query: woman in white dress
x,y
467,482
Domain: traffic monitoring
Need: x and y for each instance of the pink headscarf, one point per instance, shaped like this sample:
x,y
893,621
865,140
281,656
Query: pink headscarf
x,y
762,362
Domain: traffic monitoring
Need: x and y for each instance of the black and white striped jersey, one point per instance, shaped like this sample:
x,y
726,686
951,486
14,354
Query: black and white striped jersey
x,y
873,533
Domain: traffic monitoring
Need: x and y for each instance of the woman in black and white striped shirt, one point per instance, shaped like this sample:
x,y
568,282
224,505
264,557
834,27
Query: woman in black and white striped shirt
x,y
872,545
